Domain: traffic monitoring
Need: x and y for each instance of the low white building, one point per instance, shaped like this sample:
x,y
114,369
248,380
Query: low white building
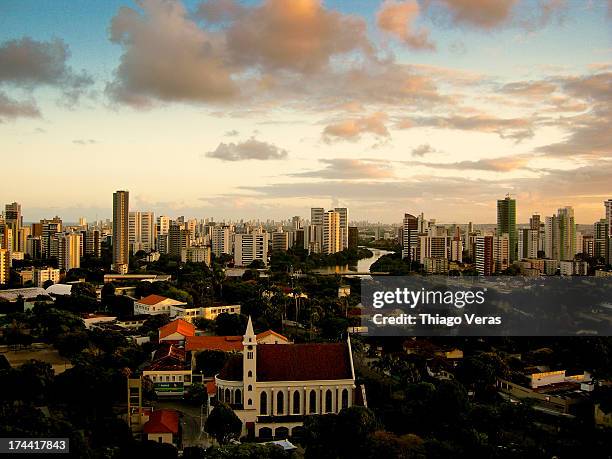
x,y
156,304
185,312
211,312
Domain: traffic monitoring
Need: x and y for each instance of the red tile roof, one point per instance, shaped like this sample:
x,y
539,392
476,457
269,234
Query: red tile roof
x,y
296,362
177,326
221,343
151,300
162,421
168,358
303,362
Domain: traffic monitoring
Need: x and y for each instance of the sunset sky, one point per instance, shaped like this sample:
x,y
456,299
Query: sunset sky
x,y
263,109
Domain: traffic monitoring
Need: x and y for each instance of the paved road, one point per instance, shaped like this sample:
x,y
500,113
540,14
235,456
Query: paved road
x,y
190,421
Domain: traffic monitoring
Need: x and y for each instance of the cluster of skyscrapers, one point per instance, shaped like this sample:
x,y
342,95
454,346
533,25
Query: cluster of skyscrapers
x,y
542,247
196,240
539,248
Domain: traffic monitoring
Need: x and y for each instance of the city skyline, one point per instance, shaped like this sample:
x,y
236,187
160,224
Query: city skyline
x,y
234,109
604,215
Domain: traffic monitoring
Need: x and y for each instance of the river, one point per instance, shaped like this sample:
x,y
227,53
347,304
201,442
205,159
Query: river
x,y
362,266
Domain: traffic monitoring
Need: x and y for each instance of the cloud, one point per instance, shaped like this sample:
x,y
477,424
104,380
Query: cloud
x,y
219,11
596,87
297,35
397,19
529,88
167,57
84,142
257,55
501,164
589,133
492,14
350,169
429,187
353,128
485,14
517,129
249,149
28,62
232,133
11,109
423,150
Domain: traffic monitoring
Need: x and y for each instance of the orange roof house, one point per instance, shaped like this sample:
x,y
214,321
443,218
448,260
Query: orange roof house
x,y
177,330
163,427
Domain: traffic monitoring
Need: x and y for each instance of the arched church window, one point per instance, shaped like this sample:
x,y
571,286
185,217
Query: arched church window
x,y
296,402
280,403
263,403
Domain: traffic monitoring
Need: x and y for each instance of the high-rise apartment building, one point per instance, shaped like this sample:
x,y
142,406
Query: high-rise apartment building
x,y
484,255
600,234
250,247
141,231
501,252
163,224
316,215
433,247
551,238
313,238
5,266
567,233
456,253
588,245
121,245
608,251
410,237
344,217
34,247
12,215
13,221
69,251
280,241
48,229
179,239
528,244
560,235
92,242
506,224
332,232
222,239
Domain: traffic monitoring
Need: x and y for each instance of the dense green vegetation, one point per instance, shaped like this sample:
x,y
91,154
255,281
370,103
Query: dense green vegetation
x,y
299,259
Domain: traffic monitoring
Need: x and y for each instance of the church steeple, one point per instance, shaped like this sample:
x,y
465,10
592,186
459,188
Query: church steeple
x,y
249,365
249,335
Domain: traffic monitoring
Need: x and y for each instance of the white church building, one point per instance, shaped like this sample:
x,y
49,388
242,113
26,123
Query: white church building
x,y
272,387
